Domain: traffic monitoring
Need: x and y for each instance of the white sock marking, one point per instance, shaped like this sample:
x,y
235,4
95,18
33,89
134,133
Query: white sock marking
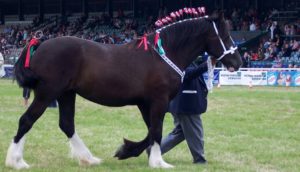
x,y
155,159
14,157
81,152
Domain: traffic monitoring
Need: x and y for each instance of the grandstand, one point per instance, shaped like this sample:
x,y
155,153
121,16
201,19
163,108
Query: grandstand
x,y
120,21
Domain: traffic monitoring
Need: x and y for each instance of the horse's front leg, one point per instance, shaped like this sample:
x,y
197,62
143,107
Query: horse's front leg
x,y
157,114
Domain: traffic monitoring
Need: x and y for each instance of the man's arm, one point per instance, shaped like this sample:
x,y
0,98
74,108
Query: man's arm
x,y
194,72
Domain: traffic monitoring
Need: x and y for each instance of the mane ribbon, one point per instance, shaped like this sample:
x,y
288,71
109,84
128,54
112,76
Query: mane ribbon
x,y
145,42
225,52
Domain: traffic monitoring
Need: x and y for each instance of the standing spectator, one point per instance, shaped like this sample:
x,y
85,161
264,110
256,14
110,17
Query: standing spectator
x,y
274,30
1,64
252,26
246,59
26,96
287,30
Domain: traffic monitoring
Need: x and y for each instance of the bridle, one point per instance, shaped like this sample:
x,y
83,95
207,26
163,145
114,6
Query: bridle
x,y
231,50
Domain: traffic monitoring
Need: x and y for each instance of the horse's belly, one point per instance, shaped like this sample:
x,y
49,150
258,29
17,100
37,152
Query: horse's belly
x,y
120,94
110,101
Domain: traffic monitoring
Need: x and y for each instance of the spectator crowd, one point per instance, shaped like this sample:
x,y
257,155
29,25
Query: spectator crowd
x,y
279,49
103,29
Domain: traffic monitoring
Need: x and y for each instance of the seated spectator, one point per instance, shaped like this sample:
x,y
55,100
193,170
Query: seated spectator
x,y
261,55
254,56
287,50
294,45
246,58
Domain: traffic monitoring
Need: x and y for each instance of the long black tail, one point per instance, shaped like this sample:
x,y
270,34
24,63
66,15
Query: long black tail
x,y
25,76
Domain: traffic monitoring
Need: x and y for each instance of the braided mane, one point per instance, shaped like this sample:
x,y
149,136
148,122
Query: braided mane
x,y
180,15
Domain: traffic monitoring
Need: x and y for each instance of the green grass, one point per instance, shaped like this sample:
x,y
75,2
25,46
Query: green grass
x,y
246,129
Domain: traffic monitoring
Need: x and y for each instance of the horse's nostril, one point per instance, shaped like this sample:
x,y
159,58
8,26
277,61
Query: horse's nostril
x,y
231,69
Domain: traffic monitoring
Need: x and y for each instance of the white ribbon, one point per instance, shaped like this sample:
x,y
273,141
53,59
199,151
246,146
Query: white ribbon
x,y
210,73
170,63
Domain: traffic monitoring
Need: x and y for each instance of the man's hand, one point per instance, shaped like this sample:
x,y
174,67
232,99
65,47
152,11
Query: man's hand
x,y
213,61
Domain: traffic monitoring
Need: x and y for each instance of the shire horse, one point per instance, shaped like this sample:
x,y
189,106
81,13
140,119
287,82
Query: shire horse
x,y
118,75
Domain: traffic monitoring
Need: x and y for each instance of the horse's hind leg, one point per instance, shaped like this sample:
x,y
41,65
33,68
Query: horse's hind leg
x,y
134,149
14,157
66,123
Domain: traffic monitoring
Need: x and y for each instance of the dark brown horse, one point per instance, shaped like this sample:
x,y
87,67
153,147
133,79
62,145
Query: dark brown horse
x,y
116,75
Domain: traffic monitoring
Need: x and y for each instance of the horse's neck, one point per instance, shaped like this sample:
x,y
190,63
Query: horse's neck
x,y
188,53
191,46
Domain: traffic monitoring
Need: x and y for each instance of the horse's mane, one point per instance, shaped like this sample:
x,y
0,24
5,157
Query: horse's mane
x,y
177,28
180,16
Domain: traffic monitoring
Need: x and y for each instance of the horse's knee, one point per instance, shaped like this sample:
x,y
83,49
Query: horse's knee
x,y
67,128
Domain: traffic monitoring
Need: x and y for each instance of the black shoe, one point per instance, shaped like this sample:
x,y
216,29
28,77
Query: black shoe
x,y
200,162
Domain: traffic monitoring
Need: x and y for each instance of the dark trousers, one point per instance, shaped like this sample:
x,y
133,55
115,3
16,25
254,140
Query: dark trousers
x,y
26,95
189,128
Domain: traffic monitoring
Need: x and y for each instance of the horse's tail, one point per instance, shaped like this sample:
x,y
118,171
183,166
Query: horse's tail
x,y
23,74
132,149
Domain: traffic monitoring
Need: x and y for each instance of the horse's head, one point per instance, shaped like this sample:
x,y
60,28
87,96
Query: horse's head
x,y
220,44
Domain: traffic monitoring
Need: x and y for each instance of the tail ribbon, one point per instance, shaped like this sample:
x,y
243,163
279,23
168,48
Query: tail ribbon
x,y
30,51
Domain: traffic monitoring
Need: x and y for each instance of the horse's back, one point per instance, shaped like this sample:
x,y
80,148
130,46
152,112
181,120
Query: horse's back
x,y
100,72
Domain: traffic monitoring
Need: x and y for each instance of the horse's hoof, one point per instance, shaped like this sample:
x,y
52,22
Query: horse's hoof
x,y
121,153
90,161
17,164
160,164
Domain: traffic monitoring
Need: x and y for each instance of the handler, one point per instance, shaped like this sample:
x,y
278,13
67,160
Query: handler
x,y
186,109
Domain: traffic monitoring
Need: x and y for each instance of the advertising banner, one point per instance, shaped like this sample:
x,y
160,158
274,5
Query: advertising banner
x,y
7,71
243,78
284,78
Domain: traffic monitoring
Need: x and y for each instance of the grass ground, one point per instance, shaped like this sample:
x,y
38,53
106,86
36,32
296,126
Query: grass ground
x,y
245,130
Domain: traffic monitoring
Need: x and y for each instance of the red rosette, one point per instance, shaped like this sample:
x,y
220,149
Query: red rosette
x,y
186,10
169,19
200,10
203,10
194,11
181,12
158,23
164,20
173,15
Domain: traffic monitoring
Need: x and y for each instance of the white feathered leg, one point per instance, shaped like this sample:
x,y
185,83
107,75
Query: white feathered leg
x,y
14,157
155,159
81,152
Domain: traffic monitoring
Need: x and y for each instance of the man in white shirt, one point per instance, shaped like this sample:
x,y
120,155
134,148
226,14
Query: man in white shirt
x,y
2,73
252,27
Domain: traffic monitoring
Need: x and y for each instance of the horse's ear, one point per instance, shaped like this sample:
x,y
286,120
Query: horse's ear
x,y
221,15
217,15
214,16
